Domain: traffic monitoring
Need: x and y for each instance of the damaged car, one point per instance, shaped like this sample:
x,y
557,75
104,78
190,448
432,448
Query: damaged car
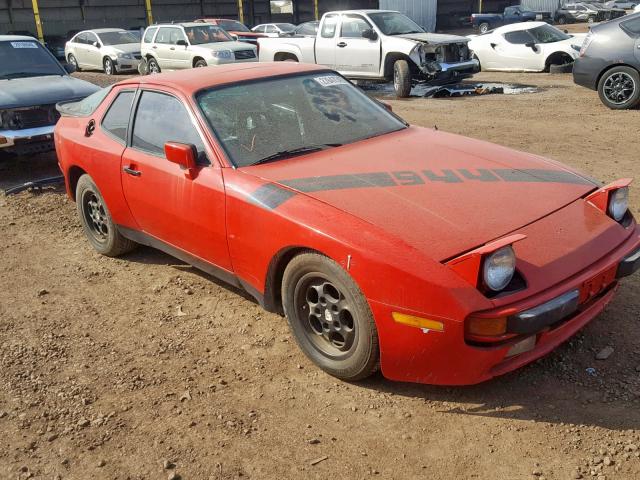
x,y
378,45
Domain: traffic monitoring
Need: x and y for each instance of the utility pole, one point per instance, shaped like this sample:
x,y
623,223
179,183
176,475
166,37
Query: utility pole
x,y
36,16
480,6
240,11
149,12
315,9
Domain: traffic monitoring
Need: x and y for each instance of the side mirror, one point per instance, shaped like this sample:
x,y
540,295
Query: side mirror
x,y
69,67
532,46
370,34
182,43
182,154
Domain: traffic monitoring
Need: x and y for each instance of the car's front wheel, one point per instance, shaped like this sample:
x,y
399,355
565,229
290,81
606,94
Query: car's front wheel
x,y
330,317
562,20
200,64
484,27
97,222
402,78
108,66
72,60
619,88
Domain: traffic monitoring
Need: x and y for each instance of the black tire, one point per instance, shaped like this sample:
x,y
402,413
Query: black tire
x,y
96,220
591,20
484,27
562,20
108,67
200,63
73,61
401,78
153,66
330,317
475,57
619,88
143,67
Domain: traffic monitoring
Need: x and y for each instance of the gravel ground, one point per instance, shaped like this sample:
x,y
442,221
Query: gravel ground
x,y
143,368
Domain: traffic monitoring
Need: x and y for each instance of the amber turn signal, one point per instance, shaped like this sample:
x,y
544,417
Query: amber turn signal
x,y
486,327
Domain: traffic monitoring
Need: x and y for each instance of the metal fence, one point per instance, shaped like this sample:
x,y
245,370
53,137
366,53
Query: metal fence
x,y
423,12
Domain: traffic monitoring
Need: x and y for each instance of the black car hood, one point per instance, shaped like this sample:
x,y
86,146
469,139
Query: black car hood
x,y
47,90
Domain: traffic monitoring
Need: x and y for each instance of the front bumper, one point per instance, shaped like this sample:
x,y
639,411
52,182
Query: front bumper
x,y
452,72
445,358
27,141
126,64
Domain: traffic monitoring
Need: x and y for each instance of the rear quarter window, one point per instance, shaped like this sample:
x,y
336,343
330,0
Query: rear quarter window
x,y
632,26
148,35
116,120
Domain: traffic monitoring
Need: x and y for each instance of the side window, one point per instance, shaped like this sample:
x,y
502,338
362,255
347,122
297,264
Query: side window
x,y
580,8
161,118
632,26
329,26
116,120
164,35
176,34
82,38
148,35
518,38
353,26
91,38
271,29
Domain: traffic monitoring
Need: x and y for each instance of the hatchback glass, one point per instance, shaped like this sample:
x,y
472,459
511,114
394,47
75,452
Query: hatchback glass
x,y
264,119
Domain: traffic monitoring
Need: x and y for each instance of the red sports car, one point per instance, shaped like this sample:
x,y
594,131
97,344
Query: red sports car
x,y
438,258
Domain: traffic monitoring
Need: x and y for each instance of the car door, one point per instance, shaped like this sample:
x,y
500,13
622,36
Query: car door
x,y
93,54
514,52
187,214
354,54
180,54
80,49
486,52
326,41
161,48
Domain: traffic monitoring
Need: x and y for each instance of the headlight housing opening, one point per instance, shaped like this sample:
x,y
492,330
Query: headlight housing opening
x,y
618,203
498,268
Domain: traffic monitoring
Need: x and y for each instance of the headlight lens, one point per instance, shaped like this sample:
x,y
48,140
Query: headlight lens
x,y
498,268
125,55
221,54
618,203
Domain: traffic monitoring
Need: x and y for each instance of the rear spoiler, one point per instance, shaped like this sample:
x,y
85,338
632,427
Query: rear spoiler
x,y
83,107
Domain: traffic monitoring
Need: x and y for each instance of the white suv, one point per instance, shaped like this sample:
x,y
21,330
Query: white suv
x,y
191,45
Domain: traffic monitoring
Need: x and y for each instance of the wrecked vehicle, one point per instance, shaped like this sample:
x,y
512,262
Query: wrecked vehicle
x,y
441,259
377,45
32,81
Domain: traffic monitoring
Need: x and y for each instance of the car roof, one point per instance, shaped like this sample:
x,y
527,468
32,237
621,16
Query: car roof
x,y
104,30
9,38
192,80
178,24
519,26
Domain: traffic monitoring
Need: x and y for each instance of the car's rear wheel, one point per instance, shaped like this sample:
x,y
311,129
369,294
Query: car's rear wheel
x,y
562,20
591,20
483,27
72,60
619,88
330,317
153,66
96,220
200,63
401,78
108,66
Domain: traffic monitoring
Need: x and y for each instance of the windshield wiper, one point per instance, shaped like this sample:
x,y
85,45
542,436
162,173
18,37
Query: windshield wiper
x,y
404,33
295,151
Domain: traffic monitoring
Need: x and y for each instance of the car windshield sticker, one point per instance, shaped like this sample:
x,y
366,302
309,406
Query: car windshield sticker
x,y
272,196
24,45
330,80
330,99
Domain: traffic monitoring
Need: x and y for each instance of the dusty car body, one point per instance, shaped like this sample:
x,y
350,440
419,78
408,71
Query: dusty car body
x,y
525,47
112,50
448,260
586,12
609,62
32,81
177,46
377,45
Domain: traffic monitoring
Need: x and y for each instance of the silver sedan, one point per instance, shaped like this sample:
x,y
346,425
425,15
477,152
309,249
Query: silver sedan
x,y
112,50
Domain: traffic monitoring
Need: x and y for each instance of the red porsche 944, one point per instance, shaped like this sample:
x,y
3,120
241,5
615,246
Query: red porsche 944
x,y
434,257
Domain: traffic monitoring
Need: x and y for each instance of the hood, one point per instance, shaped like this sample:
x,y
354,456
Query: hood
x,y
124,48
233,46
47,90
434,38
440,193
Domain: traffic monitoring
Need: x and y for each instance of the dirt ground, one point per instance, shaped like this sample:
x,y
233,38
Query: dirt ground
x,y
143,368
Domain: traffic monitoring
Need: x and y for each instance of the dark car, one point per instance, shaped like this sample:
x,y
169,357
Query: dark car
x,y
55,44
515,14
32,81
609,62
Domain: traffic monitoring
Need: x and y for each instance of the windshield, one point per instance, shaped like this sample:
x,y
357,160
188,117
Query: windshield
x,y
117,38
233,26
26,58
285,27
257,120
206,34
393,23
548,34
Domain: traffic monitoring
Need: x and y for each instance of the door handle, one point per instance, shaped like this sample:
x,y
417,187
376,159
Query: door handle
x,y
154,47
493,45
342,45
131,171
90,128
172,48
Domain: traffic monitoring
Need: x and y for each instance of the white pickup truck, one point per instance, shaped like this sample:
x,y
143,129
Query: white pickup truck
x,y
377,45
